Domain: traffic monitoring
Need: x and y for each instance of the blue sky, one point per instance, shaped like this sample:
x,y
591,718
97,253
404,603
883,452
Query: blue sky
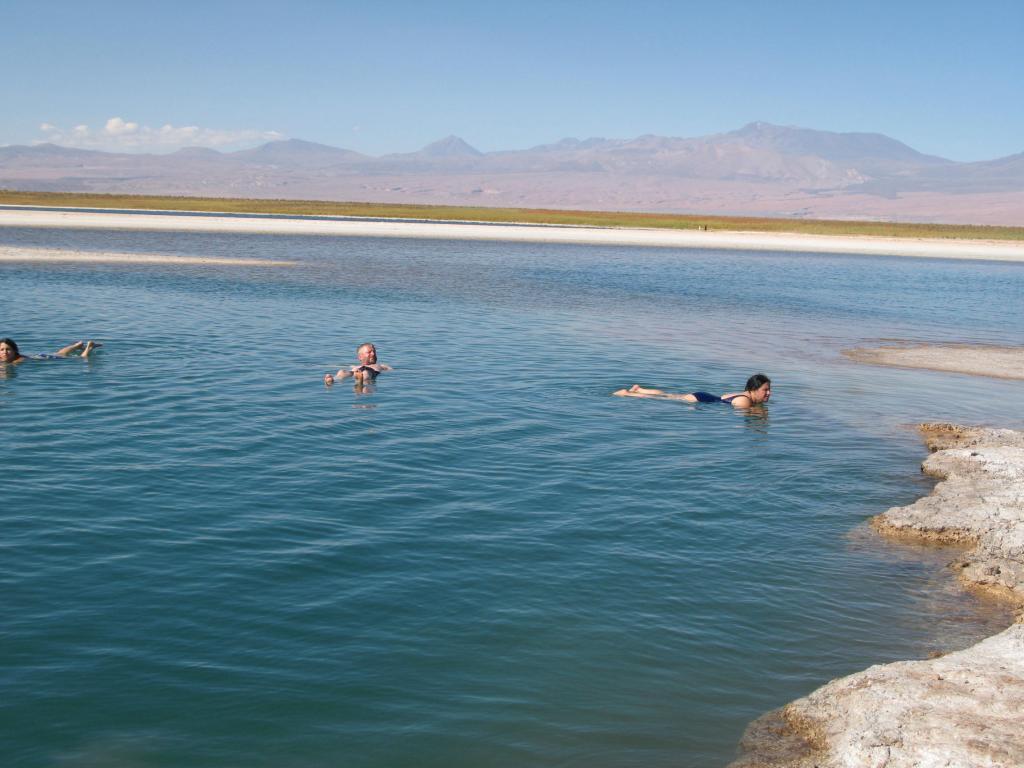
x,y
944,77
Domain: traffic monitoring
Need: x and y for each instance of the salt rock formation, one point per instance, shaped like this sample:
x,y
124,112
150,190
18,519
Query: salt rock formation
x,y
965,709
962,710
980,501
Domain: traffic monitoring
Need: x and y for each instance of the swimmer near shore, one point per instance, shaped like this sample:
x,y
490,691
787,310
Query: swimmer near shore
x,y
10,354
365,372
757,392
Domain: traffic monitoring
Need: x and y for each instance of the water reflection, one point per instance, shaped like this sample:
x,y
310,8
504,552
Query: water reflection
x,y
364,387
756,418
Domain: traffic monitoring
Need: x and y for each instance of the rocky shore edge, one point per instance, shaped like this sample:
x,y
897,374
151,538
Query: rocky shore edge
x,y
962,709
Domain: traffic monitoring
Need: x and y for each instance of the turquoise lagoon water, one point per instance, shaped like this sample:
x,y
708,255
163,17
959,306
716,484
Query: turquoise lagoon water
x,y
210,559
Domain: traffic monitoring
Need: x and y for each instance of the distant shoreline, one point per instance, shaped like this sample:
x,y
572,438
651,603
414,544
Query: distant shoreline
x,y
511,215
943,248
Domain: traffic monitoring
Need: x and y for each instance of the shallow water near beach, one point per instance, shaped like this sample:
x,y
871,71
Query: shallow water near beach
x,y
210,559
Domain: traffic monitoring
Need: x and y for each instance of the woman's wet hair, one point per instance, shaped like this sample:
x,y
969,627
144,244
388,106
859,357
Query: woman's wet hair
x,y
13,345
757,381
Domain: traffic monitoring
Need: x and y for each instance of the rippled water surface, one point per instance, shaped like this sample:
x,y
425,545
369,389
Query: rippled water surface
x,y
210,559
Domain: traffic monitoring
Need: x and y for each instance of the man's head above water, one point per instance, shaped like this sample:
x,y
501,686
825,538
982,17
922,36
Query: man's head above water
x,y
367,353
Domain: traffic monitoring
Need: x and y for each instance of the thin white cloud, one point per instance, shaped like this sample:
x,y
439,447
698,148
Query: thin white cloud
x,y
121,135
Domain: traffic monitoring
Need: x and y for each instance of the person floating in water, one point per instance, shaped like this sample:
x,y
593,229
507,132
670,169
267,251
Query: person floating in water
x,y
363,373
10,354
759,389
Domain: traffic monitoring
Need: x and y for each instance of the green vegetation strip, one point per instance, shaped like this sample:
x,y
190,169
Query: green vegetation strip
x,y
511,215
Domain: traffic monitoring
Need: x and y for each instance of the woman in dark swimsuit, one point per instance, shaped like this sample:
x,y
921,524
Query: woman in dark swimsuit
x,y
759,389
10,354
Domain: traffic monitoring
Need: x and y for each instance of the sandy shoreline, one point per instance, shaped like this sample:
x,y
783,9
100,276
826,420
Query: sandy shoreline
x,y
988,250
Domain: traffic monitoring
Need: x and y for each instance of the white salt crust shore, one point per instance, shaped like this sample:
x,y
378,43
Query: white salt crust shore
x,y
963,709
975,359
989,250
56,255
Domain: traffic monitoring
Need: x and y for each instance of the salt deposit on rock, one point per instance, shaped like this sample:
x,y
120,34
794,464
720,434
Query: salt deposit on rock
x,y
979,501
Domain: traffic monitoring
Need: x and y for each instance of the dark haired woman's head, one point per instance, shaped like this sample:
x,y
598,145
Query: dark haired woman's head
x,y
757,381
8,351
760,387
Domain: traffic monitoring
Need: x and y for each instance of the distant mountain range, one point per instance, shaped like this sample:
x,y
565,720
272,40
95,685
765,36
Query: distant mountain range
x,y
760,169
